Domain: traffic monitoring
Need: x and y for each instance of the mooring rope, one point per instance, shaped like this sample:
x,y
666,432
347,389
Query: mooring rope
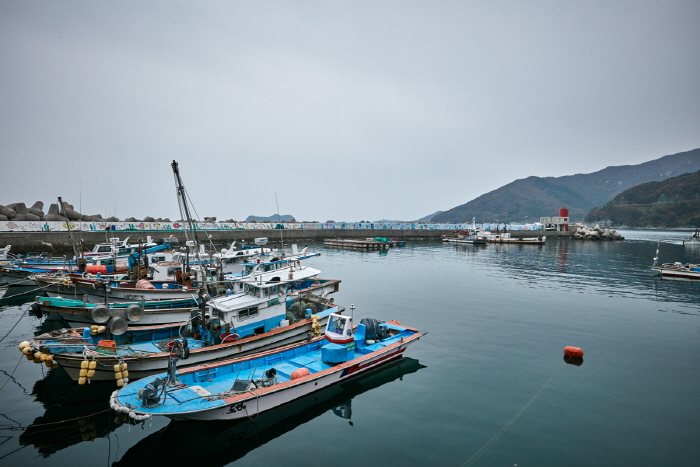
x,y
495,437
13,327
25,292
12,374
35,425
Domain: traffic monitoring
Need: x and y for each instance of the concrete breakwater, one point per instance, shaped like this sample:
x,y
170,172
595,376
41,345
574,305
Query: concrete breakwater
x,y
60,241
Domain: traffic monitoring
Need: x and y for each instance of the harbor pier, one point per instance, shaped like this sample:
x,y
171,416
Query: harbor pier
x,y
24,241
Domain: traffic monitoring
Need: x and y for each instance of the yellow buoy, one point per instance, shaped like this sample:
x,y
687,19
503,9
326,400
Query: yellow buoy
x,y
82,380
118,375
123,366
117,368
84,364
29,357
90,373
101,329
120,382
92,365
23,344
27,351
83,372
125,374
49,358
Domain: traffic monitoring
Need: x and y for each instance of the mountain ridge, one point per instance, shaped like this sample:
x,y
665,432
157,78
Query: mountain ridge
x,y
674,202
528,199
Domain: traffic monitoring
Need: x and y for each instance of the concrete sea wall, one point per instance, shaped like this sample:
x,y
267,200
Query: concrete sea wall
x,y
48,236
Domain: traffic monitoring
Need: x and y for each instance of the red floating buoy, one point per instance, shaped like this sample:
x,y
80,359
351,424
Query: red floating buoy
x,y
573,352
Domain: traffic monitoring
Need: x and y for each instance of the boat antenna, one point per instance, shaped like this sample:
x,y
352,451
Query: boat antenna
x,y
279,221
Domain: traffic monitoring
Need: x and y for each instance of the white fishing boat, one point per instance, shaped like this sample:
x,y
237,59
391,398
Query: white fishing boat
x,y
5,253
677,271
115,247
246,386
506,237
693,240
472,236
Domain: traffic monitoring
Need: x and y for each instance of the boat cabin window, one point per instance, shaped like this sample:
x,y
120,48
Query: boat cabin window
x,y
336,324
104,249
253,290
247,313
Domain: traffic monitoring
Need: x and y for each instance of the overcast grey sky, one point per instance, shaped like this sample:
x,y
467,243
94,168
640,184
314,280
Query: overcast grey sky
x,y
348,110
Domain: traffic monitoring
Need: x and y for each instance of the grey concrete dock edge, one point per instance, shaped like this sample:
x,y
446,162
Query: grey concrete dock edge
x,y
60,241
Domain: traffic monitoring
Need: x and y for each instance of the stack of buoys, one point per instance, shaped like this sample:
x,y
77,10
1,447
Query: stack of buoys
x,y
573,355
26,348
35,355
315,325
117,407
87,371
121,374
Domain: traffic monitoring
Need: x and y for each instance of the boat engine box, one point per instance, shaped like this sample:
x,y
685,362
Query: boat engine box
x,y
336,353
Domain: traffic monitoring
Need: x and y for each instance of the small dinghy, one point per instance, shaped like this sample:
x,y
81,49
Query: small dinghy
x,y
246,386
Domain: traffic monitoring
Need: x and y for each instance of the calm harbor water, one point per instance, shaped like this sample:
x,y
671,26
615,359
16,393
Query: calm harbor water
x,y
487,386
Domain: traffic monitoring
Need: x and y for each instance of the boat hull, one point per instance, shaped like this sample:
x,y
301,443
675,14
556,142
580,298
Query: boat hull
x,y
251,404
475,241
678,274
141,366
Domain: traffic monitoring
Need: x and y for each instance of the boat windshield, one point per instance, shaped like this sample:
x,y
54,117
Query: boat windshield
x,y
336,324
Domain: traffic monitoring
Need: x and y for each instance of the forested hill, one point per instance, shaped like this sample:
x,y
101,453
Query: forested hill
x,y
675,202
528,199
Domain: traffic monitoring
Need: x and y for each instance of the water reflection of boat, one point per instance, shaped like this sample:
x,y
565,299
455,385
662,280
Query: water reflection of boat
x,y
73,414
214,443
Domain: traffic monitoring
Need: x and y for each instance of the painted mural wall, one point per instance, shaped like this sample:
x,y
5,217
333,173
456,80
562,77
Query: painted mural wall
x,y
46,226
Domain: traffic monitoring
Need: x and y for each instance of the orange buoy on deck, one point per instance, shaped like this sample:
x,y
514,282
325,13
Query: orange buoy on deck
x,y
573,352
94,269
300,373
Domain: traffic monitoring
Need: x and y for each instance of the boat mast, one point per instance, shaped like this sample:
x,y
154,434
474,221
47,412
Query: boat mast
x,y
70,232
279,222
190,232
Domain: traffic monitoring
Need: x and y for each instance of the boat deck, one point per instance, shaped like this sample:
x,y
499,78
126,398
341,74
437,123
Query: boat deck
x,y
208,386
